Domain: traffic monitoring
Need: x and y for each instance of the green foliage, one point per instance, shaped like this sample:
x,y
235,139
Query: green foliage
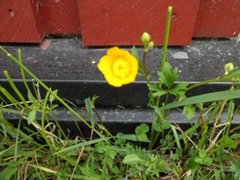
x,y
235,169
141,131
208,149
203,159
168,75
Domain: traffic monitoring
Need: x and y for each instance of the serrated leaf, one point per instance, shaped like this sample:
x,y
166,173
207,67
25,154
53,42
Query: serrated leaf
x,y
168,76
235,169
153,87
32,117
131,159
179,90
159,93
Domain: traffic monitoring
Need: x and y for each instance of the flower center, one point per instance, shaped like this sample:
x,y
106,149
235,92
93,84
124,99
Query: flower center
x,y
121,68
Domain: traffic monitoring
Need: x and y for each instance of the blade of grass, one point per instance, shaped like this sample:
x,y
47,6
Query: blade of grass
x,y
176,136
209,97
49,90
86,143
23,74
14,87
15,102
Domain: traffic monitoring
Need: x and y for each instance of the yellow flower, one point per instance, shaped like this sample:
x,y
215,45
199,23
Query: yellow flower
x,y
119,67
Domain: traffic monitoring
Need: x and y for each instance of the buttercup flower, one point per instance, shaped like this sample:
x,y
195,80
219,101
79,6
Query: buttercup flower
x,y
119,67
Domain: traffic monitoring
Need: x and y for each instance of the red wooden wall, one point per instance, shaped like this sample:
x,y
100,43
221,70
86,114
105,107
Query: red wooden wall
x,y
114,22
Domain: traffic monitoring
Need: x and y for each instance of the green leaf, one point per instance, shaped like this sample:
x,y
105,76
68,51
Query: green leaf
x,y
235,169
32,117
207,161
135,53
189,111
8,172
209,97
81,144
230,111
159,93
30,96
198,160
131,137
227,142
131,159
232,76
202,153
168,76
166,124
153,87
52,97
142,137
178,90
176,136
142,129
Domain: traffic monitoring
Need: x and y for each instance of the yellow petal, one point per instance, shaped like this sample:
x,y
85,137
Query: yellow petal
x,y
119,67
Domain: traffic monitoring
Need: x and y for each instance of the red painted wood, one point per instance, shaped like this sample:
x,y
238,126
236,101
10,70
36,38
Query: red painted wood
x,y
218,18
58,16
114,22
17,22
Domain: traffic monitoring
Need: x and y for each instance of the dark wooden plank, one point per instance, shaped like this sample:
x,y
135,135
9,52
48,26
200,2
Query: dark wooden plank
x,y
18,23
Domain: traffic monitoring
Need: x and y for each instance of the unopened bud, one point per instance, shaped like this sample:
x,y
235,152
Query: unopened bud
x,y
228,68
151,45
145,38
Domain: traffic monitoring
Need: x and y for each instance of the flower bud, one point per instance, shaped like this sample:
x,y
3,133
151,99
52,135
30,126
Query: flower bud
x,y
228,68
151,45
145,38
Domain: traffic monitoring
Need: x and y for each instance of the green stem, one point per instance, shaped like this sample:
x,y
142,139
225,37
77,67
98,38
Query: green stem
x,y
166,37
165,45
22,73
49,90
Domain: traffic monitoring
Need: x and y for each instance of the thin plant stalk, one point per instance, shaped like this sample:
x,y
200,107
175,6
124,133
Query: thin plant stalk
x,y
49,90
166,36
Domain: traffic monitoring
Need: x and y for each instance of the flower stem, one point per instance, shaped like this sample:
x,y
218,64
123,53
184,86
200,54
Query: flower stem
x,y
166,36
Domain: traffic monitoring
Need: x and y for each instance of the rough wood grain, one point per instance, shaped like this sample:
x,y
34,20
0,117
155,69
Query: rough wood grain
x,y
58,17
218,18
114,22
18,23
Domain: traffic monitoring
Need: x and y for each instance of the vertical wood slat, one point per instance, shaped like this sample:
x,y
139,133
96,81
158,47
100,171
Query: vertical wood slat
x,y
58,17
219,18
111,22
28,21
18,23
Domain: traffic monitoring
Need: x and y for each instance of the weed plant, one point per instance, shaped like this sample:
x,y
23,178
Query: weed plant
x,y
37,148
